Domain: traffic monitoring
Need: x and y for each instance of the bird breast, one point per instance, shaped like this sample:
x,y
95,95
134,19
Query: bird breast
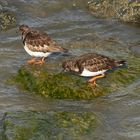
x,y
87,73
36,53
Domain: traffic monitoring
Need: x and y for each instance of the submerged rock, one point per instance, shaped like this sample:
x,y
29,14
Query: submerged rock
x,y
7,17
48,125
7,20
135,50
125,10
3,4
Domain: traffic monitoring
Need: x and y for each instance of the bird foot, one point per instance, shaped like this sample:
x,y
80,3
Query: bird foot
x,y
93,80
39,62
32,61
93,83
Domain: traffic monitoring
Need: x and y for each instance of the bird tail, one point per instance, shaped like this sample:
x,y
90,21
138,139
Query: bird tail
x,y
64,50
57,49
61,49
121,63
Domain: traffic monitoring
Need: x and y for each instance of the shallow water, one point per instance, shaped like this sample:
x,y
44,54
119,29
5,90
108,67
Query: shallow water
x,y
71,25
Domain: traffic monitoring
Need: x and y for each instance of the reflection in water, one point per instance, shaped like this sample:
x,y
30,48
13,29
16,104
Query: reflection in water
x,y
69,23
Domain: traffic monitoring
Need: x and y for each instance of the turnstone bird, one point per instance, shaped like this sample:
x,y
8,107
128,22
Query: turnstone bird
x,y
38,44
91,65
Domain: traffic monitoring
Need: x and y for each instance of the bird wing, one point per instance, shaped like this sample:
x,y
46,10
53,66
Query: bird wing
x,y
95,62
39,41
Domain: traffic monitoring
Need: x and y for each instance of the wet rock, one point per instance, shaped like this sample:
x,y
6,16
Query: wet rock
x,y
3,4
48,125
7,20
7,17
67,86
125,10
59,85
135,50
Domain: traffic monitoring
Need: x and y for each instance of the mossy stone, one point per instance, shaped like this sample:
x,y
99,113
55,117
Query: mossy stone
x,y
125,10
7,20
67,86
48,125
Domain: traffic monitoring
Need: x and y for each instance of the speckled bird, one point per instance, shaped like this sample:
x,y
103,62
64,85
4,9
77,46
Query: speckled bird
x,y
91,65
38,44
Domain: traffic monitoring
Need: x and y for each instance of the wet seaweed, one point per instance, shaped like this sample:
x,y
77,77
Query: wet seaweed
x,y
68,86
49,125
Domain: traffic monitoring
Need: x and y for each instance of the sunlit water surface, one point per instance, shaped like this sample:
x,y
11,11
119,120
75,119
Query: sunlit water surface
x,y
69,22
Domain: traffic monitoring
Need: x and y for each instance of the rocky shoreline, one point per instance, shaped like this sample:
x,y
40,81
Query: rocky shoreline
x,y
124,10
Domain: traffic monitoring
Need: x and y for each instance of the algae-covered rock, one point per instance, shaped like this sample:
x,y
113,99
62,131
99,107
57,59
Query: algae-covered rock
x,y
59,85
7,20
48,125
7,17
125,10
68,86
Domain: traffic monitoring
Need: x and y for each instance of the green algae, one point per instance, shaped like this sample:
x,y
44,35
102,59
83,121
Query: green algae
x,y
67,86
127,11
7,20
7,16
60,85
48,125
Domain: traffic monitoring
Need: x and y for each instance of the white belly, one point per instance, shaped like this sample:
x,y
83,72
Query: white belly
x,y
88,73
36,54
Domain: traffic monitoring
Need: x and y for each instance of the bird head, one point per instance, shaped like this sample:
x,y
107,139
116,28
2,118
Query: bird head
x,y
24,29
69,65
65,66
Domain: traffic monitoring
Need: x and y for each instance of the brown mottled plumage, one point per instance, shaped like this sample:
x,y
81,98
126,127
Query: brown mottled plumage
x,y
38,44
91,64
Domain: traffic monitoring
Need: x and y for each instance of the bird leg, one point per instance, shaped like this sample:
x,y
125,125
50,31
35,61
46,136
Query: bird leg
x,y
41,61
93,79
31,61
